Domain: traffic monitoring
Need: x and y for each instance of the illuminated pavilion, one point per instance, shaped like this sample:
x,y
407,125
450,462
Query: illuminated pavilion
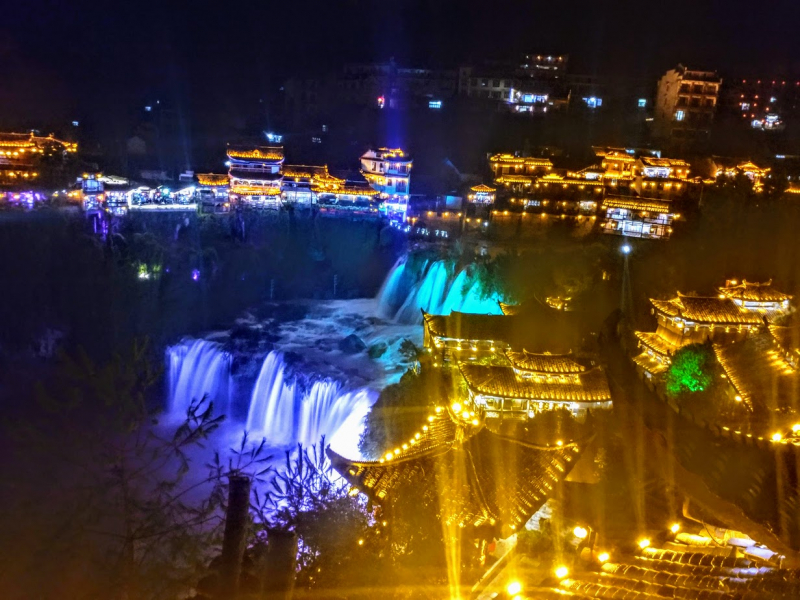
x,y
482,478
762,298
687,320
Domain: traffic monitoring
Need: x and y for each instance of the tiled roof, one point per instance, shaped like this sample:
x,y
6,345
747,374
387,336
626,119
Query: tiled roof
x,y
355,189
537,328
754,292
656,343
679,570
670,307
544,363
514,179
527,161
270,153
308,172
649,364
468,326
482,188
760,375
588,386
714,310
506,480
212,179
637,204
706,309
787,337
509,309
654,161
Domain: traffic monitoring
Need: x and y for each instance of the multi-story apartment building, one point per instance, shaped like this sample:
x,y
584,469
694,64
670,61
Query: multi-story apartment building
x,y
685,104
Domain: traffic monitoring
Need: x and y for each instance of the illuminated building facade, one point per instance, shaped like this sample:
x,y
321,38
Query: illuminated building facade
x,y
618,165
388,171
21,155
255,175
518,173
638,217
685,104
651,167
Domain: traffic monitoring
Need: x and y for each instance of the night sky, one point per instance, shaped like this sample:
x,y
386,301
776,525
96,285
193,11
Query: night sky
x,y
63,60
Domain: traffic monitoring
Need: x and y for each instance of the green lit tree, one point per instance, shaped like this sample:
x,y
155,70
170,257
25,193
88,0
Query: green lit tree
x,y
692,370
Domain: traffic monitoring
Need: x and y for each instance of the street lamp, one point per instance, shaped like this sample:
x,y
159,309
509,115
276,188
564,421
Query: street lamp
x,y
626,249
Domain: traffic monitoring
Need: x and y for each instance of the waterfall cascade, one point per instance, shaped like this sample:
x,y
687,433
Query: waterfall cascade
x,y
198,368
283,414
434,288
279,410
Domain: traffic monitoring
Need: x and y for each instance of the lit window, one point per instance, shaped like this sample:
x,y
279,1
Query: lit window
x,y
679,115
434,104
642,102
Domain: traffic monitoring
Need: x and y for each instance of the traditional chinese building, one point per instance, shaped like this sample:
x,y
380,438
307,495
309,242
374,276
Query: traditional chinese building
x,y
388,171
535,383
638,217
517,172
304,184
506,482
688,320
255,175
762,298
652,167
482,194
725,167
618,165
21,156
448,337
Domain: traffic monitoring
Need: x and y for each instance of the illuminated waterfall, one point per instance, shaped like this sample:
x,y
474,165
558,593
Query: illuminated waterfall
x,y
198,368
284,415
435,288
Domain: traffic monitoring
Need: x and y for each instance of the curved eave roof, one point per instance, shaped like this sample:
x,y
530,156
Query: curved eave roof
x,y
635,204
500,381
656,343
755,292
543,362
705,309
